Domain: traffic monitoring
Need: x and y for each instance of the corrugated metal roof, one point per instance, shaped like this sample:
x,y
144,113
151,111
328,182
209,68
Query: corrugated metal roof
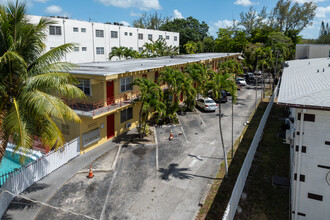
x,y
117,67
306,83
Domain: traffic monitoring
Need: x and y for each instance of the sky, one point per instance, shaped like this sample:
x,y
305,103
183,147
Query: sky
x,y
216,13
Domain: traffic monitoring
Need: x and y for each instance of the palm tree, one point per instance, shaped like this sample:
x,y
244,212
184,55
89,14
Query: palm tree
x,y
150,99
32,82
220,82
117,52
174,79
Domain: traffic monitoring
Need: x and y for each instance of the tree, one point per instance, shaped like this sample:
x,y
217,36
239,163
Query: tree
x,y
151,21
190,29
252,20
190,47
117,52
32,82
218,83
150,99
174,79
287,16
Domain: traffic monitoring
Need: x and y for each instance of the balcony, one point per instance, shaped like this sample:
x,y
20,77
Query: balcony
x,y
92,109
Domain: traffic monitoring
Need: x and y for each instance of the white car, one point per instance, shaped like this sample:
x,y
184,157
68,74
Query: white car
x,y
241,81
207,104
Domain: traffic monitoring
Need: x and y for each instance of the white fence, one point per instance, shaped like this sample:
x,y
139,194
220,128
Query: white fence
x,y
36,170
240,182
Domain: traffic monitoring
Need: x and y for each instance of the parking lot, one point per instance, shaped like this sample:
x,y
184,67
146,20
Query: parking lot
x,y
161,181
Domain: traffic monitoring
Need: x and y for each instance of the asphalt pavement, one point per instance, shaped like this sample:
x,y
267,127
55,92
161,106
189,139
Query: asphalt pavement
x,y
162,181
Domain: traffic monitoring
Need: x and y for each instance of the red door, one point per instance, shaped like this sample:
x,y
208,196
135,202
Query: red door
x,y
181,97
110,126
110,95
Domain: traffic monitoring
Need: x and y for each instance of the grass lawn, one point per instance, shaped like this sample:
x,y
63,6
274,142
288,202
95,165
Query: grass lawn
x,y
263,201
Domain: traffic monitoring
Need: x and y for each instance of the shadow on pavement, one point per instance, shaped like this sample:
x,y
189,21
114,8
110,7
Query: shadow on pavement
x,y
174,171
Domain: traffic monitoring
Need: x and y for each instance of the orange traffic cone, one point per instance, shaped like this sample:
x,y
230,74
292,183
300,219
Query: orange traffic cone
x,y
90,174
171,136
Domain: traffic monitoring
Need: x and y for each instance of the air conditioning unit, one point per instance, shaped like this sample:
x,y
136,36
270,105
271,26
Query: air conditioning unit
x,y
287,136
128,125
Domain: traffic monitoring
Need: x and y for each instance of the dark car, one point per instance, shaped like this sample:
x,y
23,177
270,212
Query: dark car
x,y
223,96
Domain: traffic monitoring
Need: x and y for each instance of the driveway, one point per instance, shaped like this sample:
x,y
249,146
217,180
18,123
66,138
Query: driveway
x,y
137,188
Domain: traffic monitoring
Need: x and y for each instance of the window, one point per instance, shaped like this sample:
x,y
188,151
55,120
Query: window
x,y
126,114
91,137
126,33
65,129
76,49
114,34
140,37
307,117
75,29
167,37
52,48
144,76
301,179
303,148
126,84
149,36
140,49
160,37
175,38
315,196
84,85
99,33
84,49
156,77
131,48
83,30
130,34
100,50
55,30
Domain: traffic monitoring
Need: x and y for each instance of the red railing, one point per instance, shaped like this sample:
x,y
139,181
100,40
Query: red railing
x,y
102,106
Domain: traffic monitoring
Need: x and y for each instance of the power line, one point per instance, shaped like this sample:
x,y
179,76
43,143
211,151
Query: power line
x,y
45,204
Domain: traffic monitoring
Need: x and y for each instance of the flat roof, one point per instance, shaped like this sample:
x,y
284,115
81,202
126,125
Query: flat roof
x,y
306,84
133,65
319,45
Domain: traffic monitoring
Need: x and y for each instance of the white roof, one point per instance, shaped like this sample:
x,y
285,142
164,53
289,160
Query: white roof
x,y
117,67
306,83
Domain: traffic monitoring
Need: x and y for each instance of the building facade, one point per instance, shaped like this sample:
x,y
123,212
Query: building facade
x,y
311,51
96,40
305,89
109,109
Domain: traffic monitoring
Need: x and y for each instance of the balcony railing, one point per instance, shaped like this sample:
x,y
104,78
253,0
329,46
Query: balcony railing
x,y
92,109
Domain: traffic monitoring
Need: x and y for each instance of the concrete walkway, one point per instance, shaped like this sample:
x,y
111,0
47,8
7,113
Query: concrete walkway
x,y
44,189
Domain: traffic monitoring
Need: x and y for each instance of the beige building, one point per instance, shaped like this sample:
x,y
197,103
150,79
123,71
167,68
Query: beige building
x,y
310,51
108,110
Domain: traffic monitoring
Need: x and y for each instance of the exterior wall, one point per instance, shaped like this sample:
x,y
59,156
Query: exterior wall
x,y
312,51
317,153
89,40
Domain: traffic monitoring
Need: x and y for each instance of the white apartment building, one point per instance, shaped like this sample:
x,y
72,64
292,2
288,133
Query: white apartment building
x,y
311,51
305,88
95,40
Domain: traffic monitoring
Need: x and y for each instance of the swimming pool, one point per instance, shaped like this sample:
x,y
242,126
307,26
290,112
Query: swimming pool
x,y
7,166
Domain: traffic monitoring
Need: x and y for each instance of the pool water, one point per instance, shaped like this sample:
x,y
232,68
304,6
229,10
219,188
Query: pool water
x,y
8,165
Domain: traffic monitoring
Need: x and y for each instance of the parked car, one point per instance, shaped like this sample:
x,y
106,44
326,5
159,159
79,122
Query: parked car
x,y
223,96
240,81
207,104
257,72
248,76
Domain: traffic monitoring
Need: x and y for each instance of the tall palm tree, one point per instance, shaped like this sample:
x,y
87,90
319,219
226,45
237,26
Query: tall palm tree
x,y
150,99
32,82
220,82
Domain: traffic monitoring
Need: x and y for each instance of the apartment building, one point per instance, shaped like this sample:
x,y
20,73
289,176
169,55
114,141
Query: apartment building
x,y
108,110
305,89
96,40
311,51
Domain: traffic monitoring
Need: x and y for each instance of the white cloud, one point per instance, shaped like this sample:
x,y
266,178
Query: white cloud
x,y
177,14
54,9
223,23
141,4
125,23
244,2
303,1
322,11
134,14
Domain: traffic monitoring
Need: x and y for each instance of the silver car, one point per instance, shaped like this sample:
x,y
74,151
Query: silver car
x,y
207,104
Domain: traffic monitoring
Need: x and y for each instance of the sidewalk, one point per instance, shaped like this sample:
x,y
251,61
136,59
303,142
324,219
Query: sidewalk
x,y
44,189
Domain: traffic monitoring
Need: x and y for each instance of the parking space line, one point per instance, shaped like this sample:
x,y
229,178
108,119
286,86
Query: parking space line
x,y
108,196
201,120
184,134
